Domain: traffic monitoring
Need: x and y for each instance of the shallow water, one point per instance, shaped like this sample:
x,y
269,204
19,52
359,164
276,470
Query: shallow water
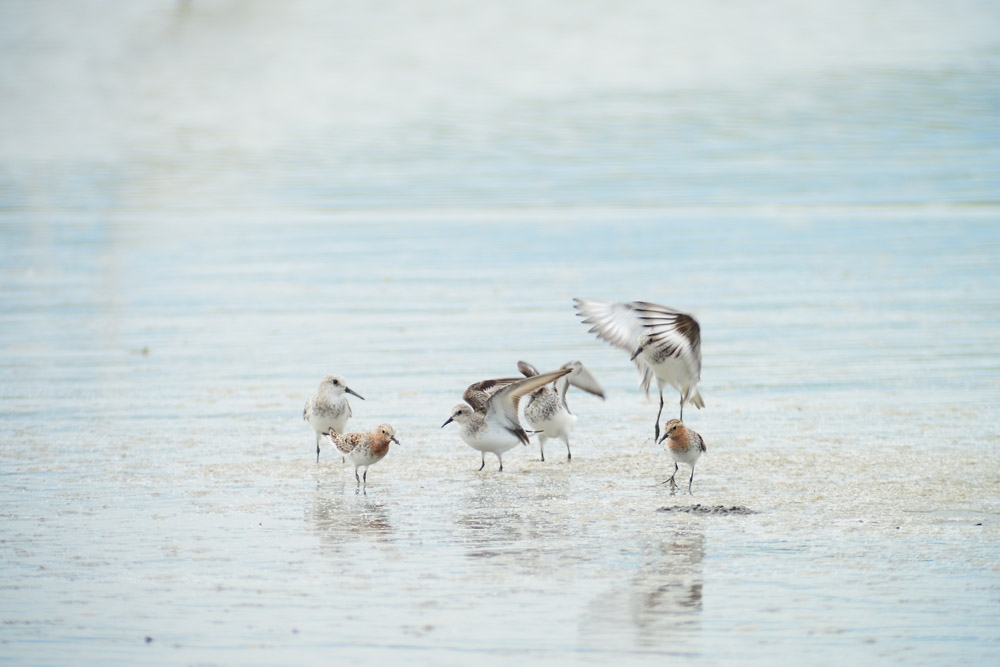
x,y
178,276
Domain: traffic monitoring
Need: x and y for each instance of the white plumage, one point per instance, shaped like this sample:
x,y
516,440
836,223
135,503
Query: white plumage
x,y
547,411
662,342
489,418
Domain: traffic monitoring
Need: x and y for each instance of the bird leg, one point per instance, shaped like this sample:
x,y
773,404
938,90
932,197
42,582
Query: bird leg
x,y
317,448
484,462
656,432
682,407
690,480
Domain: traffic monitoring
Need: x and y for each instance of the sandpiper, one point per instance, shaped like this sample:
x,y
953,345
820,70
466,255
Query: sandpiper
x,y
364,449
328,408
685,446
546,410
489,417
662,342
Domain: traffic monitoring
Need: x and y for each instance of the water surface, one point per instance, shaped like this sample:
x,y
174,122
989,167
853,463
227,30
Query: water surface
x,y
207,206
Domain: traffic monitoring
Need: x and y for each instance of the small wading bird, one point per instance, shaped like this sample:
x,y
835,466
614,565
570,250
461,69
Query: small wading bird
x,y
546,410
328,410
662,342
488,418
685,446
364,449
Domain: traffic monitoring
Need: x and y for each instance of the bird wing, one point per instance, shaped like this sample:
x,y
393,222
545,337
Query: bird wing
x,y
616,323
527,370
581,378
623,323
673,331
479,394
502,405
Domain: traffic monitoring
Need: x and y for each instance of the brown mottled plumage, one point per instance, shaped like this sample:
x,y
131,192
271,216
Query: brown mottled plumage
x,y
364,449
685,446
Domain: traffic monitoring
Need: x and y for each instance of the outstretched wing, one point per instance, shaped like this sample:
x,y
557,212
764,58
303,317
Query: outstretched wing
x,y
616,323
479,394
581,378
623,324
502,406
675,333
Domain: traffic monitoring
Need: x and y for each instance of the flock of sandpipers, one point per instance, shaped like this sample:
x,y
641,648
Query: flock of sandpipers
x,y
663,343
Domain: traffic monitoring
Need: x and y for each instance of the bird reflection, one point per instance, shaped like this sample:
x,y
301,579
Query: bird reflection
x,y
665,594
340,519
522,528
660,605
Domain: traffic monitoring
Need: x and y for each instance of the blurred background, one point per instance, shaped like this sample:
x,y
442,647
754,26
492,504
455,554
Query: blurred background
x,y
244,105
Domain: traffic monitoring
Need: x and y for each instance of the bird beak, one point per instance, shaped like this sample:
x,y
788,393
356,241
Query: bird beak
x,y
353,393
637,353
393,438
446,423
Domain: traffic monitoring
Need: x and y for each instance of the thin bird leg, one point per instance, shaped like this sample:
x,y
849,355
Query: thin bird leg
x,y
682,407
366,476
500,459
541,446
356,475
656,435
690,480
484,462
670,480
317,448
569,454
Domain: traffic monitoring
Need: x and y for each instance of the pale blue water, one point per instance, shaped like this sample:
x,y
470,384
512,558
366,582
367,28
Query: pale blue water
x,y
206,206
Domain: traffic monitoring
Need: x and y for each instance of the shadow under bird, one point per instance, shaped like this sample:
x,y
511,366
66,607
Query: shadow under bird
x,y
663,343
328,410
546,411
685,445
488,418
364,449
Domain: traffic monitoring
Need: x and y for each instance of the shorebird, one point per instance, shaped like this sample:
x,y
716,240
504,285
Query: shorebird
x,y
364,449
489,418
546,410
663,343
685,446
328,408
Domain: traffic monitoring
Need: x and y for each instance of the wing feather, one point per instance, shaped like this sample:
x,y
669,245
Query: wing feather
x,y
503,405
478,394
623,324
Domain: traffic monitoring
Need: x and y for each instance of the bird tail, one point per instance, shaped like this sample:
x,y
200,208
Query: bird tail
x,y
696,400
